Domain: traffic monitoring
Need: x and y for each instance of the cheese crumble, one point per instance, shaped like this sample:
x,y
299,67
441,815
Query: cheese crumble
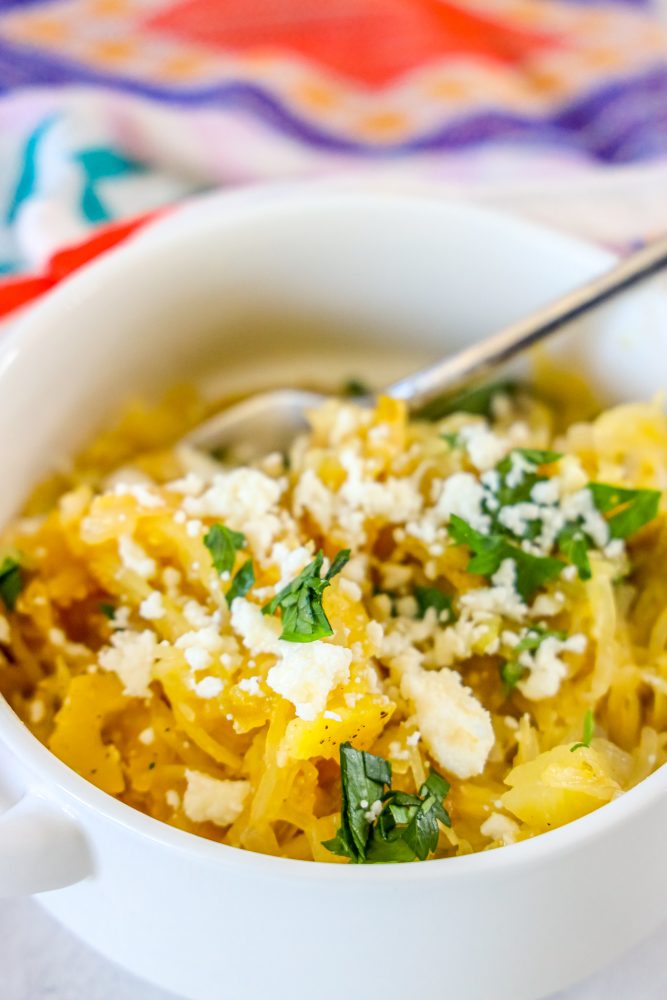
x,y
199,637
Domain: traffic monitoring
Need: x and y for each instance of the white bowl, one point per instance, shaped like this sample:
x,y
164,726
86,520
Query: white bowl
x,y
394,280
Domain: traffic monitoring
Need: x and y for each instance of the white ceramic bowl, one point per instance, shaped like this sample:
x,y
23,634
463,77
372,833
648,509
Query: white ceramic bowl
x,y
234,281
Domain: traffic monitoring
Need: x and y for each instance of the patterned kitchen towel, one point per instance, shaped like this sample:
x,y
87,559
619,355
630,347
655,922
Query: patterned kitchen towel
x,y
112,108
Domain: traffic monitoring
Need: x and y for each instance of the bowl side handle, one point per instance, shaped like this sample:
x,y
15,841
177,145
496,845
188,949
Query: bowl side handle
x,y
41,848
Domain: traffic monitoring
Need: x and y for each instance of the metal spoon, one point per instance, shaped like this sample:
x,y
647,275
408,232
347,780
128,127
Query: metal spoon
x,y
271,420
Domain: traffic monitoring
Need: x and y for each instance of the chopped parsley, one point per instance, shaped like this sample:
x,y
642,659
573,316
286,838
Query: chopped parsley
x,y
628,510
489,551
300,602
433,597
242,582
378,825
512,671
11,581
355,388
510,492
588,730
478,401
223,544
108,610
453,439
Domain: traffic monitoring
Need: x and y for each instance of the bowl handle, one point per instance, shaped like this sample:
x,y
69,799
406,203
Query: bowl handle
x,y
41,848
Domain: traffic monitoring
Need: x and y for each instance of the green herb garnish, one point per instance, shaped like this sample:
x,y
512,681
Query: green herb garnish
x,y
354,388
478,401
433,597
379,826
453,439
574,543
520,492
300,602
11,581
242,582
512,671
587,736
108,610
223,544
489,551
629,510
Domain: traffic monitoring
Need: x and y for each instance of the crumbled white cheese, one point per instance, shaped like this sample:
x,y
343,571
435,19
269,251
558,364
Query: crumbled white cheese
x,y
546,669
134,558
373,811
141,493
196,657
462,494
500,828
334,716
485,449
258,632
172,798
350,589
147,736
250,685
190,485
131,656
208,687
290,562
211,800
193,528
499,599
455,727
246,500
306,674
152,608
207,638
413,739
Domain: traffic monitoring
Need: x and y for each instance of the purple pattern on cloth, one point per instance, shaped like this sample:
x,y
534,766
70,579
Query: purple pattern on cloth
x,y
621,122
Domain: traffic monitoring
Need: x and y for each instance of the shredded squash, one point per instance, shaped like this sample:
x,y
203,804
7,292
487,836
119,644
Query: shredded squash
x,y
123,656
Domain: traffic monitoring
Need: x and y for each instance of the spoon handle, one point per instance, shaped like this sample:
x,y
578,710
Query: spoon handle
x,y
467,366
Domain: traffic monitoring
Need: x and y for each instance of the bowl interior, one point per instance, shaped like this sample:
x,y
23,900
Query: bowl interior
x,y
305,286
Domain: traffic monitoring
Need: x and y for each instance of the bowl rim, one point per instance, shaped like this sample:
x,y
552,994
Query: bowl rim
x,y
49,774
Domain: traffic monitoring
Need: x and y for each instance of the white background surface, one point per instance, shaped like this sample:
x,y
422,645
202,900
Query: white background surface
x,y
41,961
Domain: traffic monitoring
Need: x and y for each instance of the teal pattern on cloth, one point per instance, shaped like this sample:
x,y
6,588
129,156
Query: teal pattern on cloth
x,y
97,165
27,180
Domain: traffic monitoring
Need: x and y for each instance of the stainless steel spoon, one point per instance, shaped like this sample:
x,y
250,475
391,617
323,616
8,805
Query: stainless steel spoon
x,y
270,421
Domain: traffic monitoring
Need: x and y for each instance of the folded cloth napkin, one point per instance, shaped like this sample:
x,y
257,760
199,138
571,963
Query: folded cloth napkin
x,y
113,108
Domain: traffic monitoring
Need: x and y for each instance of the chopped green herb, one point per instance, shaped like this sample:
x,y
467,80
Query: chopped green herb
x,y
574,544
354,387
151,765
588,730
300,602
520,491
242,582
433,597
11,581
108,610
629,510
220,454
512,671
489,551
478,401
379,826
223,544
453,439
